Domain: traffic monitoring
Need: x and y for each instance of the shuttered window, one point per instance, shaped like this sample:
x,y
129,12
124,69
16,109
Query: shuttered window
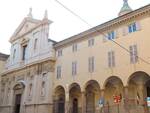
x,y
59,72
74,68
111,59
133,54
90,42
91,64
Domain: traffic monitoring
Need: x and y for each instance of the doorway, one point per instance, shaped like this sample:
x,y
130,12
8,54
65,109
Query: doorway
x,y
61,105
17,103
75,105
148,91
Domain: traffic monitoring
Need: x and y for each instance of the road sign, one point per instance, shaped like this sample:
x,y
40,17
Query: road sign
x,y
117,98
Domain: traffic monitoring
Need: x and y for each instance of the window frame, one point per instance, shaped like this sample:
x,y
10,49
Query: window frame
x,y
132,28
111,59
59,72
91,64
74,47
74,68
91,42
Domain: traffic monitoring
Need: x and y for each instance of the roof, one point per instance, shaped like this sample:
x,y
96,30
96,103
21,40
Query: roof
x,y
50,40
104,26
3,57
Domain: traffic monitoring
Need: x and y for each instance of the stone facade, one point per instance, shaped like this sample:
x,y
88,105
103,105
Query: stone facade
x,y
26,81
102,70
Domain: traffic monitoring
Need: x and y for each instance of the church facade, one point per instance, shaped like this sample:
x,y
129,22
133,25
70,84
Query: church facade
x,y
105,69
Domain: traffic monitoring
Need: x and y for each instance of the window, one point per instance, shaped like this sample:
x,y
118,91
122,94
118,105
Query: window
x,y
74,68
74,47
132,28
111,59
59,53
24,52
133,54
111,35
91,64
91,42
35,44
58,72
14,54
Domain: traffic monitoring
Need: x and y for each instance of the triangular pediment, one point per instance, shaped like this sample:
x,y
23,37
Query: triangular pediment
x,y
26,25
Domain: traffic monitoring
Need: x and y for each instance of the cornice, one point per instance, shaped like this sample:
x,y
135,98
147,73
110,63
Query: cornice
x,y
27,65
107,25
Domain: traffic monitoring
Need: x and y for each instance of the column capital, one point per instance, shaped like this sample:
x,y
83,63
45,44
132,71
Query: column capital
x,y
83,92
126,86
102,90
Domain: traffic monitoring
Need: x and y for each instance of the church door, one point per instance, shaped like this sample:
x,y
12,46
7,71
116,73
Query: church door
x,y
17,103
61,106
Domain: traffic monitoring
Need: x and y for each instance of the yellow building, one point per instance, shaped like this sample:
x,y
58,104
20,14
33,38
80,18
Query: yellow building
x,y
105,69
108,61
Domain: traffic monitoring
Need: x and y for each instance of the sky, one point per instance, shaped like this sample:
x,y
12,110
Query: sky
x,y
64,25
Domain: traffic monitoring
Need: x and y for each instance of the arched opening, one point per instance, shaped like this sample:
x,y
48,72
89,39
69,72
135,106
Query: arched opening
x,y
61,104
75,98
138,91
92,96
18,95
75,105
59,100
148,88
113,94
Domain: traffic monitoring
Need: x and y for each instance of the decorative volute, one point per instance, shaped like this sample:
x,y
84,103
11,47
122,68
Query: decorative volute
x,y
125,9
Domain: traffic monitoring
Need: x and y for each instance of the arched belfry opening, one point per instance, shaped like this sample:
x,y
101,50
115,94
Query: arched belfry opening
x,y
18,96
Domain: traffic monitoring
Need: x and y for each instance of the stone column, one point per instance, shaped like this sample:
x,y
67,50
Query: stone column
x,y
102,97
142,94
125,99
55,104
67,105
83,97
102,93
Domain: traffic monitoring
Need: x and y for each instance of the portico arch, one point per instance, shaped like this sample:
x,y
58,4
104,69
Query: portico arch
x,y
138,86
92,90
75,98
59,99
113,87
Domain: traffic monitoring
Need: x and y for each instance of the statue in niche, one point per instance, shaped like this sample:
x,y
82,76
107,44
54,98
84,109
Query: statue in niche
x,y
43,89
30,90
8,95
